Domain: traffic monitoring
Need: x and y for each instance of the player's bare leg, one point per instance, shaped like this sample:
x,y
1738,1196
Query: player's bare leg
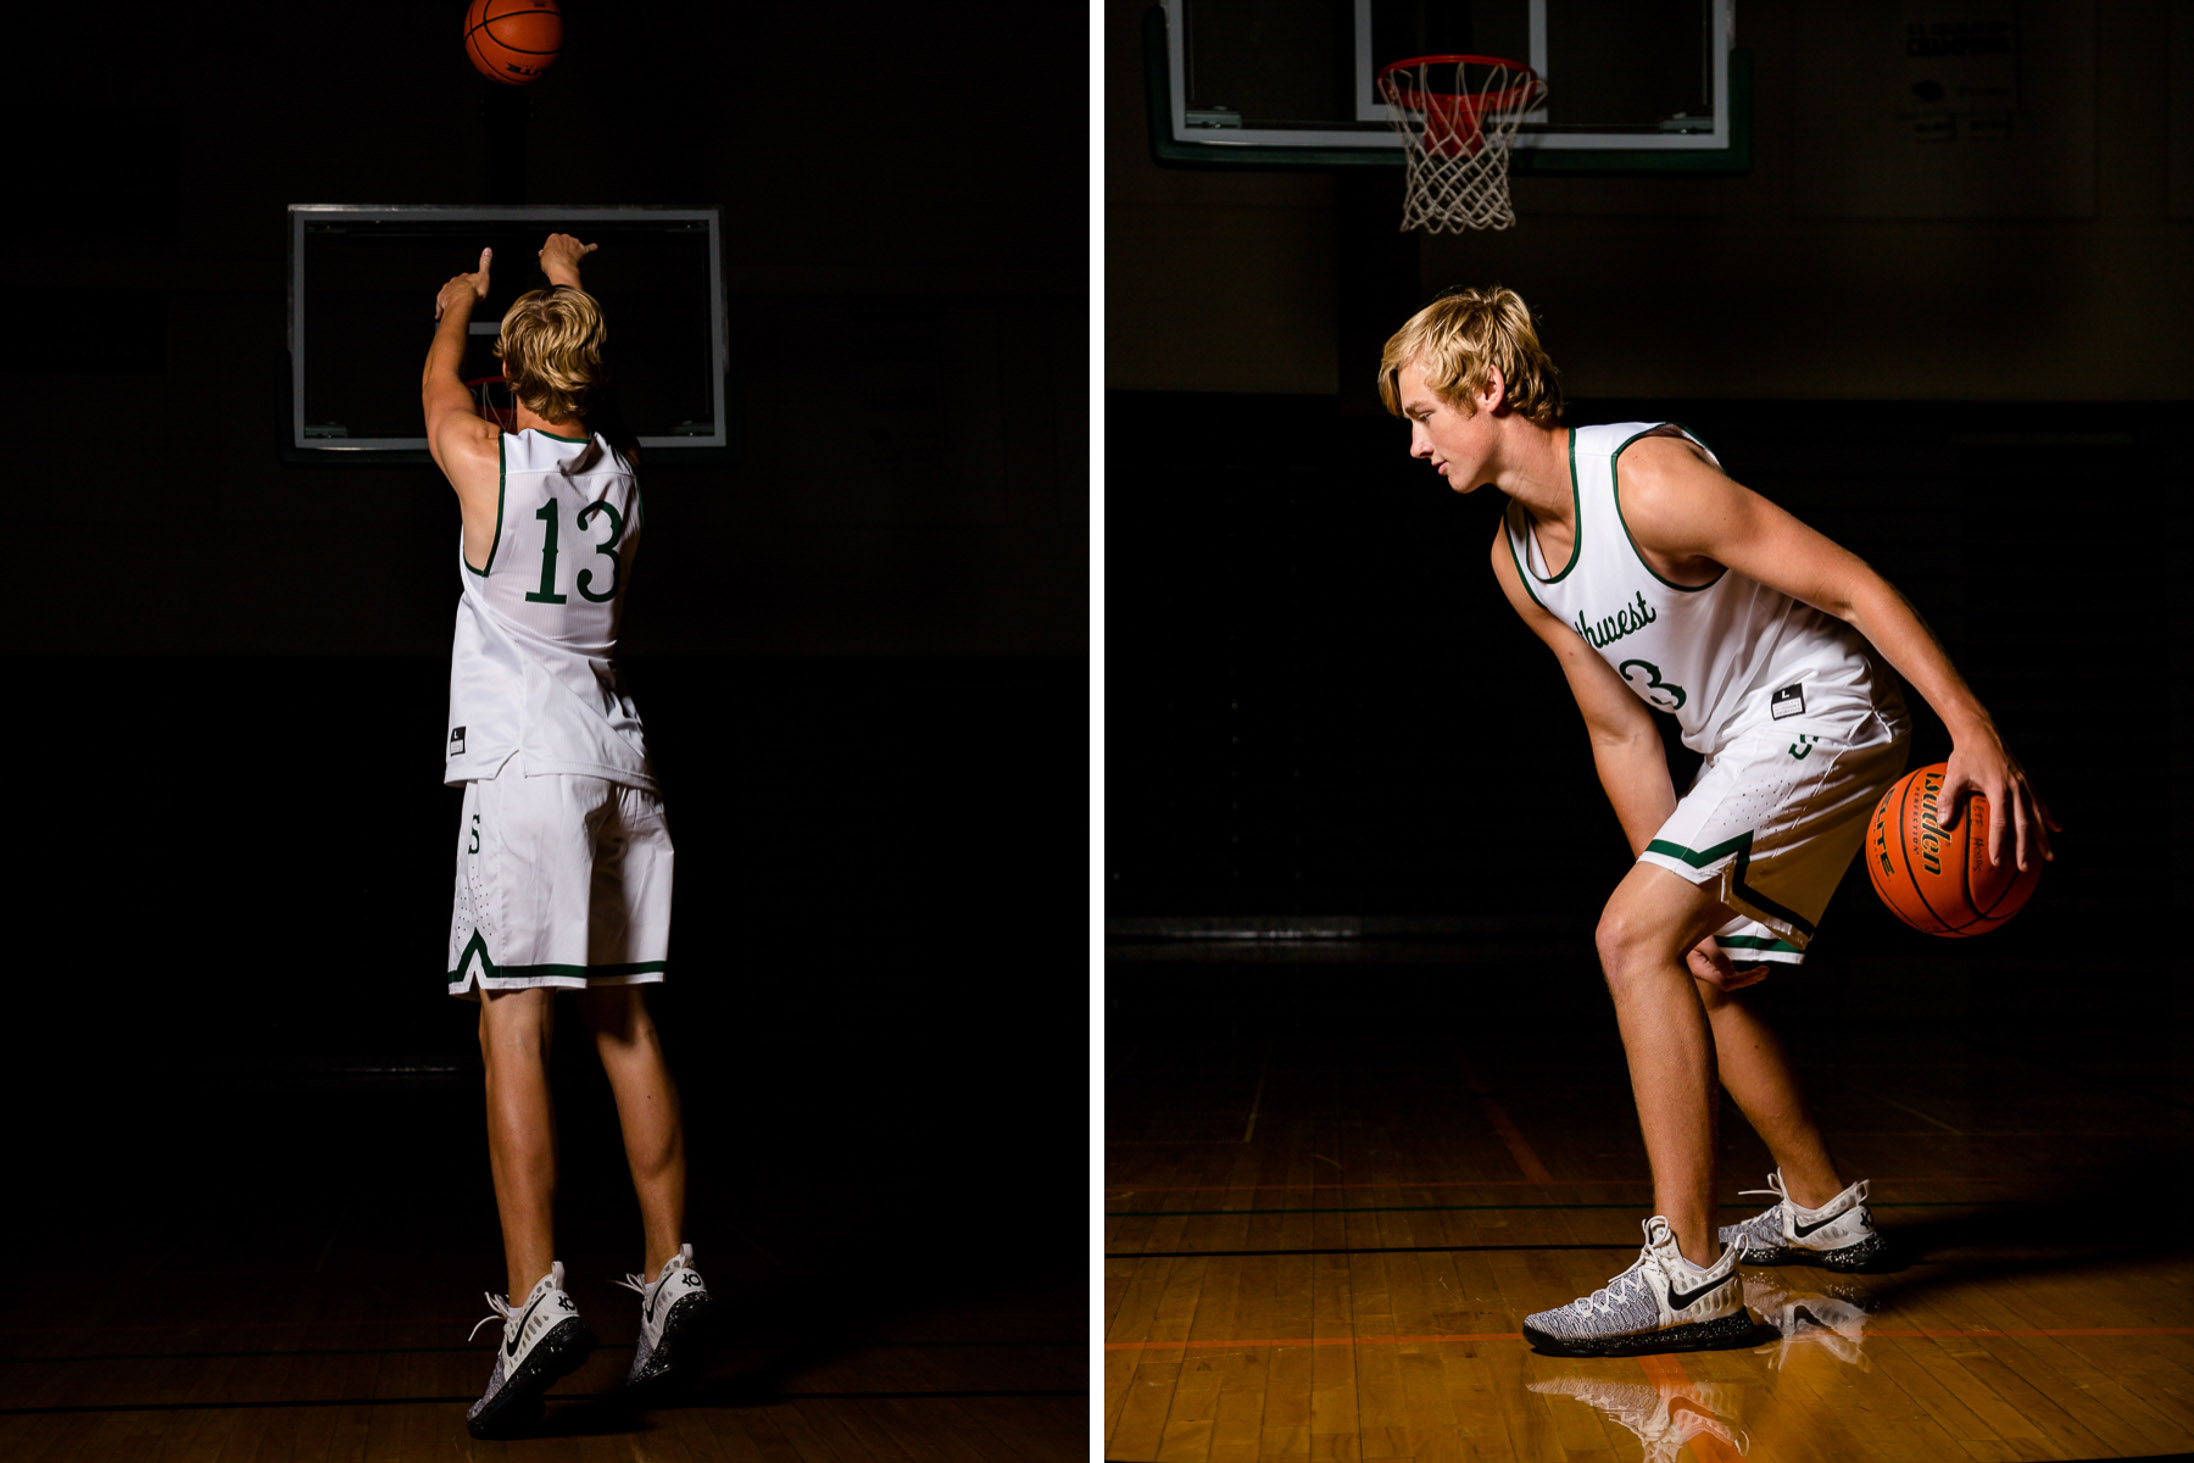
x,y
1650,923
1757,1073
515,1030
647,1110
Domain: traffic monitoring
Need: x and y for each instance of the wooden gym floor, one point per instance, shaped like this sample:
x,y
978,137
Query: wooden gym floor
x,y
1337,1177
270,1266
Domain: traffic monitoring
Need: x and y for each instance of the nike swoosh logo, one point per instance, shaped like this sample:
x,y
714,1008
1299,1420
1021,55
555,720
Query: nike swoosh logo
x,y
1802,1230
510,1348
1678,1300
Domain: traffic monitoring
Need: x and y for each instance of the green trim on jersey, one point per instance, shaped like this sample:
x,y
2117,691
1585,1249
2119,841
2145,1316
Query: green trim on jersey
x,y
1741,846
1508,532
1615,490
1576,511
500,479
1576,538
554,437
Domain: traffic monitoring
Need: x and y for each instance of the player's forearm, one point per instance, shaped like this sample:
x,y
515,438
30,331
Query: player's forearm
x,y
563,274
446,357
1892,626
1634,774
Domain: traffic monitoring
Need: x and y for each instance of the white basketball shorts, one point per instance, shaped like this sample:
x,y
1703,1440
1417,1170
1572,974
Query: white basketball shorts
x,y
1773,818
561,881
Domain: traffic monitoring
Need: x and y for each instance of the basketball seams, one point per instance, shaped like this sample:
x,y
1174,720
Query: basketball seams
x,y
1920,898
544,25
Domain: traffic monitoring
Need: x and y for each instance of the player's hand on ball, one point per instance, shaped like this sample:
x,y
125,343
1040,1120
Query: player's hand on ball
x,y
1708,963
1983,765
474,285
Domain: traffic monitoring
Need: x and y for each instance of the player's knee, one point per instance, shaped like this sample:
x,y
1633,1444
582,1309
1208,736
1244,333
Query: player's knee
x,y
1623,940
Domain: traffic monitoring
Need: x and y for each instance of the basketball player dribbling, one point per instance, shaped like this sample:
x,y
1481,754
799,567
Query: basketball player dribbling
x,y
564,861
1659,582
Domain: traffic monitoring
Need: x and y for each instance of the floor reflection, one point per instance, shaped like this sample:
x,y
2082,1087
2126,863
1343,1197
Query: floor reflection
x,y
1663,1417
1824,1316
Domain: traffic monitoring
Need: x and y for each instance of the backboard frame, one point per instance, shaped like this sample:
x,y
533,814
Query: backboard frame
x,y
1722,149
299,447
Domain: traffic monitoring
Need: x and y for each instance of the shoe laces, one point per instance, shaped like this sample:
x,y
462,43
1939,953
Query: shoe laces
x,y
499,1309
639,1283
1620,1290
1774,1189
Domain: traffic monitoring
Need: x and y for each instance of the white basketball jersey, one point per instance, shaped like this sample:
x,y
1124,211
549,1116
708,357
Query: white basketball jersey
x,y
533,670
1716,656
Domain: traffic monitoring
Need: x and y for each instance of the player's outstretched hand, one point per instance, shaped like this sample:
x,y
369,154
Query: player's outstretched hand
x,y
1708,963
1981,764
563,252
475,285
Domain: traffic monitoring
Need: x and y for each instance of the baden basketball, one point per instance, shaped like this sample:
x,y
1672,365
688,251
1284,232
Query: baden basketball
x,y
513,41
1938,882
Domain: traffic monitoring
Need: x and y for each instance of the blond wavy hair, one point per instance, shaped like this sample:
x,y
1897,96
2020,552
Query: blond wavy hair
x,y
1459,339
551,350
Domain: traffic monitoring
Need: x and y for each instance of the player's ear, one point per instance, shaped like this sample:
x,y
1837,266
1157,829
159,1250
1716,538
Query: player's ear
x,y
1494,392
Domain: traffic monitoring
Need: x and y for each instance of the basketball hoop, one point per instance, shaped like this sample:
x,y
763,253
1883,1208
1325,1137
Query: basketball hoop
x,y
492,394
1456,116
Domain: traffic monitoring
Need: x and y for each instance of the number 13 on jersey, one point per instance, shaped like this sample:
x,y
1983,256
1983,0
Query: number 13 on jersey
x,y
550,514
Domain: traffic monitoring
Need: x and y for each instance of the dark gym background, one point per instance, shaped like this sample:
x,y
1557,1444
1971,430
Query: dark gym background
x,y
227,1029
1321,716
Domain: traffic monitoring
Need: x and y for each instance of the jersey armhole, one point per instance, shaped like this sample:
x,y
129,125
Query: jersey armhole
x,y
1615,493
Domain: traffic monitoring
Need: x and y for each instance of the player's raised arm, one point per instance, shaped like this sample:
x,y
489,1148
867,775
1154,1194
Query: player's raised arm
x,y
453,426
1680,504
1626,745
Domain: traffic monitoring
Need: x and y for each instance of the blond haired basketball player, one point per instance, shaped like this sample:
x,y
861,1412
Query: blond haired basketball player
x,y
1659,582
563,862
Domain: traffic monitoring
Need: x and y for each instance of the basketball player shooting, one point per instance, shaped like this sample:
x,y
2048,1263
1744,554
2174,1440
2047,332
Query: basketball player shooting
x,y
1667,585
563,858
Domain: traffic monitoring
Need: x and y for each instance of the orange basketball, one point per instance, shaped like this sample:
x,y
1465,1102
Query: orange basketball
x,y
1941,883
513,41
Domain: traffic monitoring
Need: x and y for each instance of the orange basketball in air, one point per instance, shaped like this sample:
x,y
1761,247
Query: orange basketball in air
x,y
1938,882
513,41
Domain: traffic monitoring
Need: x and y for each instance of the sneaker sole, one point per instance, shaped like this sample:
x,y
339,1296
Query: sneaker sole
x,y
553,1358
1719,1334
1858,1258
676,1361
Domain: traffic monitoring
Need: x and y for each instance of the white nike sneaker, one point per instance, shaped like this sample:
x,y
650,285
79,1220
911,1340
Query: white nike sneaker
x,y
675,1311
1661,1303
543,1342
1840,1235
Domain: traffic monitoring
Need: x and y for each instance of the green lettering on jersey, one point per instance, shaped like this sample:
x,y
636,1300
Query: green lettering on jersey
x,y
607,547
1655,690
547,594
1608,629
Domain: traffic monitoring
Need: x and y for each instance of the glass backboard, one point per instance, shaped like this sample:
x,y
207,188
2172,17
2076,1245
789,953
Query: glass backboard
x,y
361,314
1632,85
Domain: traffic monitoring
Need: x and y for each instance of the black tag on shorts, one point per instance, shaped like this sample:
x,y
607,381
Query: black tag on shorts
x,y
457,740
1789,701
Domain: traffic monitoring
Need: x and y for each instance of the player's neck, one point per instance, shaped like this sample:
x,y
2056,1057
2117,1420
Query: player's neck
x,y
1534,470
522,419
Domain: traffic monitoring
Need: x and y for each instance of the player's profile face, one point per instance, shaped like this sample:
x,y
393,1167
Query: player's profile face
x,y
1454,440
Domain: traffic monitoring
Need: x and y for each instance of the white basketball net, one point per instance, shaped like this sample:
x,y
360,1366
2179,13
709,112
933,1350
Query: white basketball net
x,y
1456,134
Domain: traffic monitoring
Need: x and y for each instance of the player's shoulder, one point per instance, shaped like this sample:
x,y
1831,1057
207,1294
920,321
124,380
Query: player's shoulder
x,y
1664,469
1653,447
468,449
